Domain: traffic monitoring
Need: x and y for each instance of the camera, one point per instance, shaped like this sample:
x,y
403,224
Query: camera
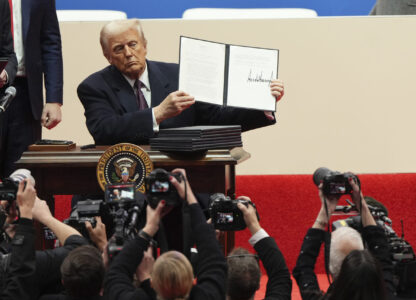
x,y
9,186
120,210
334,182
226,215
158,187
86,211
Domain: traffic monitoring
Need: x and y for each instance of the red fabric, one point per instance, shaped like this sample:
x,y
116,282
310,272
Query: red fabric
x,y
11,14
289,204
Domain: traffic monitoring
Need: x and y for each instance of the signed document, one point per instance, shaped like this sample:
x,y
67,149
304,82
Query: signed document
x,y
228,75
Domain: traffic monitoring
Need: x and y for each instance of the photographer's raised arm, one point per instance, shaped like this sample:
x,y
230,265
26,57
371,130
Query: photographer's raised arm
x,y
118,283
279,284
183,187
20,279
367,218
42,214
328,205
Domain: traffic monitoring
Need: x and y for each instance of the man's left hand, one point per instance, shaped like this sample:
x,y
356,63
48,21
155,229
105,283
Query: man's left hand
x,y
3,78
277,89
51,115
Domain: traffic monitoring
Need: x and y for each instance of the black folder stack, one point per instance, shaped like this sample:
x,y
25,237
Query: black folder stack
x,y
197,138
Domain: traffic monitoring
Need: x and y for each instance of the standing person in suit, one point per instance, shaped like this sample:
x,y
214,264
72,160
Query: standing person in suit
x,y
117,111
394,7
37,42
6,46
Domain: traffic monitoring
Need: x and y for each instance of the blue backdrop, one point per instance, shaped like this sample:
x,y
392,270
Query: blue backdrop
x,y
174,8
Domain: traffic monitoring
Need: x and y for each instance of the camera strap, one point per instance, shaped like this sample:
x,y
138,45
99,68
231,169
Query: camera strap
x,y
327,245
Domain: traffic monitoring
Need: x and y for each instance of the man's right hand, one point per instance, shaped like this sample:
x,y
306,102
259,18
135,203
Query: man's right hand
x,y
41,211
26,195
173,105
250,216
3,78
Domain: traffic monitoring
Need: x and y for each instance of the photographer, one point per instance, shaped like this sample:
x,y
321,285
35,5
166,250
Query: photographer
x,y
19,281
243,278
174,282
363,274
47,277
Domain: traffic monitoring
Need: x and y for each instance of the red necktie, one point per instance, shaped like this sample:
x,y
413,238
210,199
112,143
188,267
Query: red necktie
x,y
11,14
141,101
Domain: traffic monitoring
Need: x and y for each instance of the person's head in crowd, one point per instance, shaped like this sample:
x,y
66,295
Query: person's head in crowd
x,y
343,241
172,276
83,272
125,47
360,277
243,278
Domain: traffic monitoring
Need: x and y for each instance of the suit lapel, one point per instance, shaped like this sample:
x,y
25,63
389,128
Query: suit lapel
x,y
158,83
122,89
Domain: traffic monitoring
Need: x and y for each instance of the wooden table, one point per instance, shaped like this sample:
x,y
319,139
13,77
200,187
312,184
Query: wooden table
x,y
74,172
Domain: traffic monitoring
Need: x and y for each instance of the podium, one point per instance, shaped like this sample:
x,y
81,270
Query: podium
x,y
74,172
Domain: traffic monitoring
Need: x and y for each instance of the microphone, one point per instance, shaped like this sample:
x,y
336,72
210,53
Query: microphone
x,y
10,93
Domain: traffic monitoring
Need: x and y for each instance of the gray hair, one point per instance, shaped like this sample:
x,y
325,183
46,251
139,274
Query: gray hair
x,y
117,27
343,241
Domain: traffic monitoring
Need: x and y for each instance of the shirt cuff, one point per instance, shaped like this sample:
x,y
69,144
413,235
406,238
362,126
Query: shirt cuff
x,y
259,235
155,125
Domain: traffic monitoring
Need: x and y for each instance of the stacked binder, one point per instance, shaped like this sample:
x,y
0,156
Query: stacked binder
x,y
197,138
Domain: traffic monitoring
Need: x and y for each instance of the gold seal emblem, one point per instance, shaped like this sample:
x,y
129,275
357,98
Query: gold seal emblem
x,y
123,164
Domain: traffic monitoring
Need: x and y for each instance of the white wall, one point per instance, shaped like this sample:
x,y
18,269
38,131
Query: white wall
x,y
350,88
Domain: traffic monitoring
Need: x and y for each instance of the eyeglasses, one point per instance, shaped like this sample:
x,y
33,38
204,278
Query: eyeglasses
x,y
244,255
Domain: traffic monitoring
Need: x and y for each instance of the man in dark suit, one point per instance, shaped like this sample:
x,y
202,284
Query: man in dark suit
x,y
114,107
6,46
37,43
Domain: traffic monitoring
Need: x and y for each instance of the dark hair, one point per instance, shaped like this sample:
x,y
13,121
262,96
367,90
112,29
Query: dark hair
x,y
360,278
243,278
83,272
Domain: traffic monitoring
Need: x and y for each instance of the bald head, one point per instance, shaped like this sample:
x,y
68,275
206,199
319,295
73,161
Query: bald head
x,y
343,241
118,27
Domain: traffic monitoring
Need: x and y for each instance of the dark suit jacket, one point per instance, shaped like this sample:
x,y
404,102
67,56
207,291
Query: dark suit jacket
x,y
21,272
6,40
112,114
279,284
43,53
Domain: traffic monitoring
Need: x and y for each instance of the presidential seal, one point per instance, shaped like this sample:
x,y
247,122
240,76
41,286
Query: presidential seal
x,y
124,164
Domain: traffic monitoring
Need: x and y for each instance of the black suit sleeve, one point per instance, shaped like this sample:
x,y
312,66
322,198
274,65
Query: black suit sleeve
x,y
208,114
279,285
304,270
20,279
211,268
119,281
6,41
48,263
377,244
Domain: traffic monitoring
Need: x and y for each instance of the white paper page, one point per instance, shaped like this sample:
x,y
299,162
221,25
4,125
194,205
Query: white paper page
x,y
201,71
250,73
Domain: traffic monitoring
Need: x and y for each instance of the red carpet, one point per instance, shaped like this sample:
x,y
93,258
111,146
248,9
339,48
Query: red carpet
x,y
288,205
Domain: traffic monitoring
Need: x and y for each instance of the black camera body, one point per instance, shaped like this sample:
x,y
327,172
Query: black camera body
x,y
8,190
158,187
334,183
226,215
85,211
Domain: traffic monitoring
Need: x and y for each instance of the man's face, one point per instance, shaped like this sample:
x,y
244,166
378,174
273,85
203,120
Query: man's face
x,y
127,52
